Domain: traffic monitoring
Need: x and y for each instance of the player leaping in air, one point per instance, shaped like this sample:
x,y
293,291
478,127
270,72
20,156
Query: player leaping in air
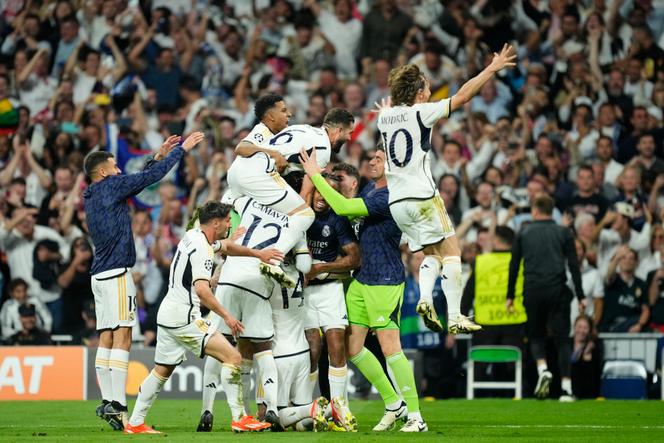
x,y
415,202
255,175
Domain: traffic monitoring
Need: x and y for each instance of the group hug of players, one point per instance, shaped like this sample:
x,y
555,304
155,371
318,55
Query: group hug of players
x,y
304,262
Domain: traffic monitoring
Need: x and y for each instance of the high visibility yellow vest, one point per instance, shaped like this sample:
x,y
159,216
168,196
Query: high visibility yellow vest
x,y
491,277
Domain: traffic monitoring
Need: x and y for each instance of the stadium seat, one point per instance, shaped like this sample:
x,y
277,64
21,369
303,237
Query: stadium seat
x,y
493,354
624,379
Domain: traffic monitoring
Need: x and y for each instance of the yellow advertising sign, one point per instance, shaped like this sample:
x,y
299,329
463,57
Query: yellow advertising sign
x,y
491,277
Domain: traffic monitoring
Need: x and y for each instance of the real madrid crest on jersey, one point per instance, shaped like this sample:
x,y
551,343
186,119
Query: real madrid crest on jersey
x,y
638,292
326,231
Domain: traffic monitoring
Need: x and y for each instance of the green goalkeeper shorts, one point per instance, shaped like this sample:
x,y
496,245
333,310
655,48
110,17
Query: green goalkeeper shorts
x,y
374,307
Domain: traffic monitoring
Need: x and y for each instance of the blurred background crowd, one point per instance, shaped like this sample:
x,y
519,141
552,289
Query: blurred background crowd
x,y
579,118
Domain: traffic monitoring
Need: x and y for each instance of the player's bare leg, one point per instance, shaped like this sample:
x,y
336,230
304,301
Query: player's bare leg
x,y
314,340
448,254
231,380
118,364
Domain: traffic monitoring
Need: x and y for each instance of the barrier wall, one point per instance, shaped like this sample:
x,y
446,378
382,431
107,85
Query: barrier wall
x,y
68,373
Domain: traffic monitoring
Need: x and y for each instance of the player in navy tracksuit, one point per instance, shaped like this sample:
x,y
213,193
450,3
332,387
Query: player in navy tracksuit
x,y
109,223
335,253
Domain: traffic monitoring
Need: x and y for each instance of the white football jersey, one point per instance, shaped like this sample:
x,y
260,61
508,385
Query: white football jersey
x,y
406,133
192,262
263,225
288,312
293,139
260,136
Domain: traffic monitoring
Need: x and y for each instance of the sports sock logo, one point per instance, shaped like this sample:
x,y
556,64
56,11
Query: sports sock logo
x,y
211,385
268,381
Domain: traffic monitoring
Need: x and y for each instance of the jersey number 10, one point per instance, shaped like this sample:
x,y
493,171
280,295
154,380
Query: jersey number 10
x,y
391,147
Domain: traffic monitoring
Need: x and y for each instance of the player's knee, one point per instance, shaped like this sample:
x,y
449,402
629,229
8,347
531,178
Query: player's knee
x,y
122,338
234,358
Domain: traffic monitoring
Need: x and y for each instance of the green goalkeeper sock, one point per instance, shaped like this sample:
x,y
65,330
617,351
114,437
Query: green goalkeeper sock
x,y
405,379
370,367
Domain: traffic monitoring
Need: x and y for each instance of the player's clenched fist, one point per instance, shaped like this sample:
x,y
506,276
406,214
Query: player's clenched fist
x,y
191,141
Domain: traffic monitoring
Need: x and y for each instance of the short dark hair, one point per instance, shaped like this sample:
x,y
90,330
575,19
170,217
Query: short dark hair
x,y
265,103
645,135
505,235
17,181
71,18
544,204
211,210
338,117
15,283
586,168
348,169
93,160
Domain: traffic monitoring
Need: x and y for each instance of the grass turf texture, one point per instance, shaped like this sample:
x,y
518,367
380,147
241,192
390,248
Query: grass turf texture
x,y
449,420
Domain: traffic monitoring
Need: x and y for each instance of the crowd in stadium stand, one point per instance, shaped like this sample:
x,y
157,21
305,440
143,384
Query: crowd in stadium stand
x,y
579,118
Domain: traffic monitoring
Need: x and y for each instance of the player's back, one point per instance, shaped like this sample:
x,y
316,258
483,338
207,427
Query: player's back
x,y
406,134
192,261
263,229
293,139
288,311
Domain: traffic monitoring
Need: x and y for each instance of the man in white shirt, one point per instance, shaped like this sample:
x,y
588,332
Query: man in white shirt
x,y
10,320
18,238
604,152
343,31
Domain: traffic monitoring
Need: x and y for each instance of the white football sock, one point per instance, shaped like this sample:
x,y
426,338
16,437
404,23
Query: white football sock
x,y
541,368
451,285
245,368
337,378
211,382
147,394
429,273
269,377
292,415
566,385
104,373
118,363
231,380
304,425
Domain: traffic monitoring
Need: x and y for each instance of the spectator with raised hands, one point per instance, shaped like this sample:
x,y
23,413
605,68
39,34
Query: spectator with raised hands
x,y
626,298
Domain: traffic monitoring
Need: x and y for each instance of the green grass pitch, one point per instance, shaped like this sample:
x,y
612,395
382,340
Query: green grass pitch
x,y
449,420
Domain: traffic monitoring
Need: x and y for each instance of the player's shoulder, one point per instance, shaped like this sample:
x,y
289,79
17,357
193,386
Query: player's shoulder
x,y
259,134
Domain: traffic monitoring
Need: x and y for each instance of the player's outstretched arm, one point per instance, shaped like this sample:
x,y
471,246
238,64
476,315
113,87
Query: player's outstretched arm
x,y
132,184
208,299
346,207
228,247
246,149
506,59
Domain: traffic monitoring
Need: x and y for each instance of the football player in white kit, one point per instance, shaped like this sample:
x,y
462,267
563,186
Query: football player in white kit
x,y
255,174
181,327
291,352
245,292
415,203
